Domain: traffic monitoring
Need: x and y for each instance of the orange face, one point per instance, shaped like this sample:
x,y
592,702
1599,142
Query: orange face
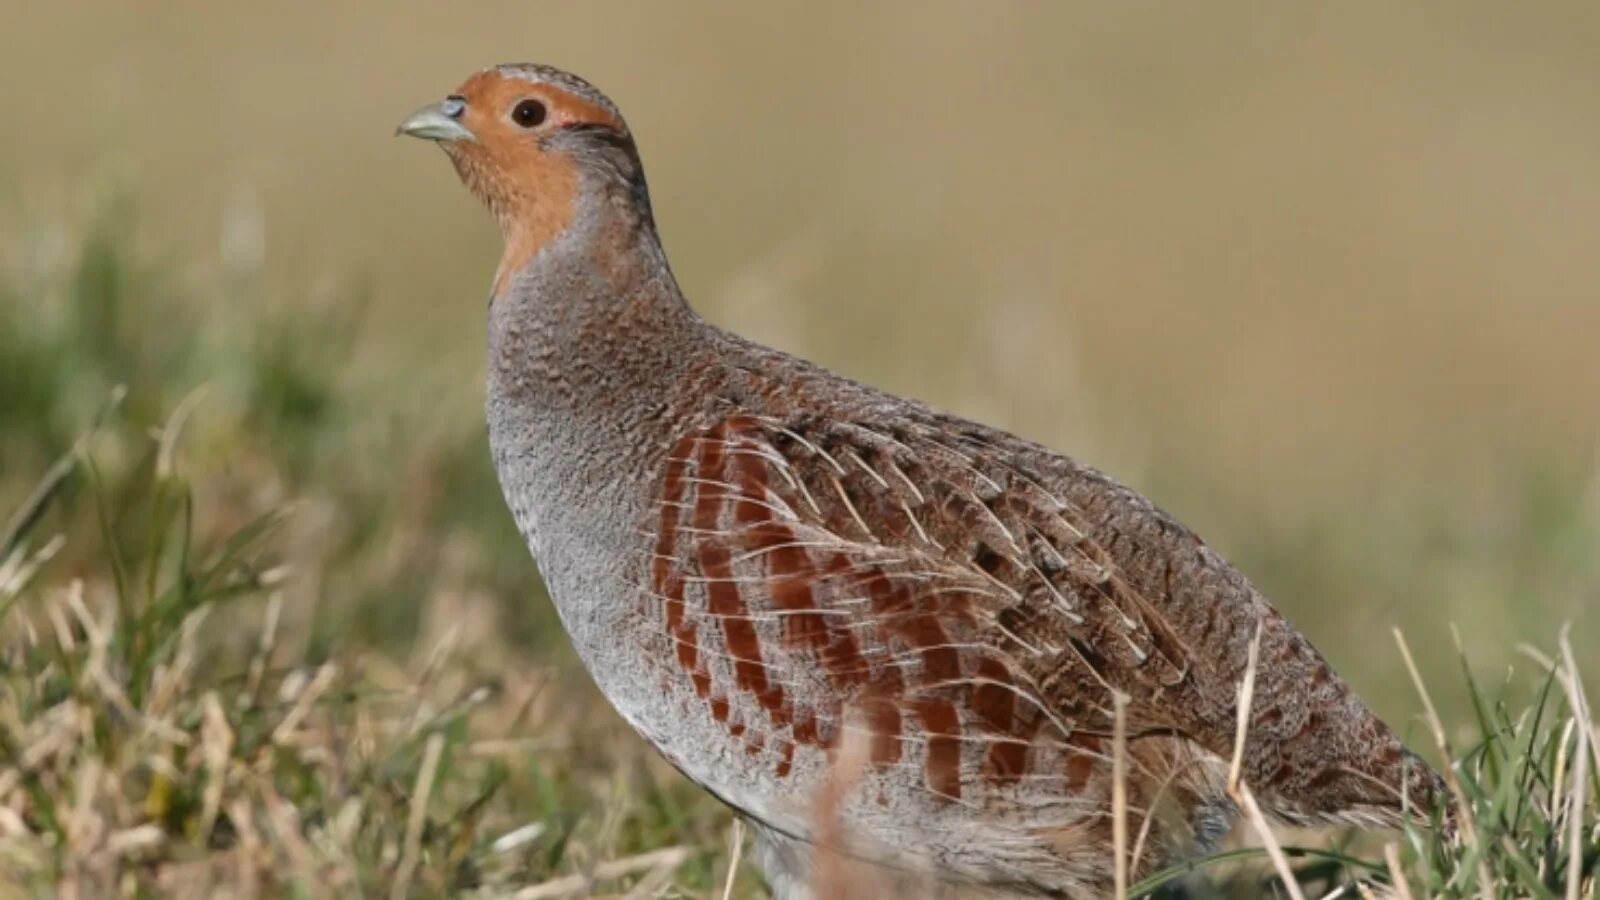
x,y
497,128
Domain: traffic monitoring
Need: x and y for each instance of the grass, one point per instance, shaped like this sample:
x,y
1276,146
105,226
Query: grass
x,y
265,630
237,660
156,744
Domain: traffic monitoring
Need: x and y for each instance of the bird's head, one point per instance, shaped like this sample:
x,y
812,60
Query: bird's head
x,y
543,148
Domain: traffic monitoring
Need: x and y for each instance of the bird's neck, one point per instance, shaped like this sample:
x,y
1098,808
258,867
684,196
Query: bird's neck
x,y
590,341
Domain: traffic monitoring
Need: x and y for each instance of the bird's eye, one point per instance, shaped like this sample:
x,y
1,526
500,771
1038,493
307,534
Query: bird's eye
x,y
528,113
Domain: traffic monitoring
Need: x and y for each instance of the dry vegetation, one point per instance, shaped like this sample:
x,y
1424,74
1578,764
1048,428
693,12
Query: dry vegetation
x,y
185,709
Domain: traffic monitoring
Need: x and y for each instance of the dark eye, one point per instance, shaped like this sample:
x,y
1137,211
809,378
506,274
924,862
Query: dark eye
x,y
528,113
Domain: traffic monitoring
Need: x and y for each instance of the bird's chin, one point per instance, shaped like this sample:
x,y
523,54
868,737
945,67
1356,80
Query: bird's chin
x,y
467,168
477,177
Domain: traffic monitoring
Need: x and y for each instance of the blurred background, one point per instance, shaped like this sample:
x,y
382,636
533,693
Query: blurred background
x,y
1321,280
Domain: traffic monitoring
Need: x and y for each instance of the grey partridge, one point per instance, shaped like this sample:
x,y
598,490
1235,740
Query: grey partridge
x,y
760,562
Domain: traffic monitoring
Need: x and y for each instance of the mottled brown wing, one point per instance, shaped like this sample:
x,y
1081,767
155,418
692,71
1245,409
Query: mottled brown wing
x,y
973,601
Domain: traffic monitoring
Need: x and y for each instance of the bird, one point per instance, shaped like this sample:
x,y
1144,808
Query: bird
x,y
771,571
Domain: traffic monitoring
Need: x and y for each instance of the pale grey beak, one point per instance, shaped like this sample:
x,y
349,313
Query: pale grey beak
x,y
437,122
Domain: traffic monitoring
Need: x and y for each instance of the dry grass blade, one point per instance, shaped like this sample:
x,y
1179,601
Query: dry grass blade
x,y
285,822
1557,787
653,881
669,859
1467,820
1579,705
167,441
265,644
1240,792
1397,878
1247,694
1119,794
519,837
216,744
419,817
834,873
251,848
19,569
285,732
136,840
735,852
